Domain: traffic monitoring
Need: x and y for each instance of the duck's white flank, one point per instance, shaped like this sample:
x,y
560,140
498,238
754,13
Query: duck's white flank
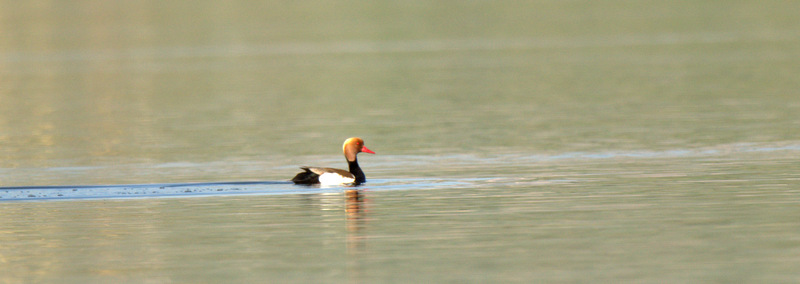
x,y
335,179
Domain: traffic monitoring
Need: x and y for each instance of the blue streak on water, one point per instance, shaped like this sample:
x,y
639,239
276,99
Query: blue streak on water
x,y
165,190
147,190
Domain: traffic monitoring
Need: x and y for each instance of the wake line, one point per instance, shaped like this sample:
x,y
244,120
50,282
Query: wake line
x,y
19,193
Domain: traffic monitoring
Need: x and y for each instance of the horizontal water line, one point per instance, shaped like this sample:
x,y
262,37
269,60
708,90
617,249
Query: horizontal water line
x,y
396,46
234,188
386,163
513,158
68,192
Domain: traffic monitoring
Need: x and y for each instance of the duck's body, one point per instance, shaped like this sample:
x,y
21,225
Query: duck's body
x,y
331,176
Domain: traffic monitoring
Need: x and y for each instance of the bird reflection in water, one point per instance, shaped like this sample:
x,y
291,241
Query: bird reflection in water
x,y
354,209
356,223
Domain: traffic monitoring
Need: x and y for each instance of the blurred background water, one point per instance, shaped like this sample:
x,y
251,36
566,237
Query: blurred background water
x,y
557,141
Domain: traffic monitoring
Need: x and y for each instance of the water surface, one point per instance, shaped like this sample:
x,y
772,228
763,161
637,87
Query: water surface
x,y
544,141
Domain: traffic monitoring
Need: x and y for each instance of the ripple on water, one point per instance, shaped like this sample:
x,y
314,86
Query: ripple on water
x,y
239,188
458,171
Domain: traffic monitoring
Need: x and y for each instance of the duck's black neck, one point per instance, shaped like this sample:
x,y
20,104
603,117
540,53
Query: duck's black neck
x,y
356,171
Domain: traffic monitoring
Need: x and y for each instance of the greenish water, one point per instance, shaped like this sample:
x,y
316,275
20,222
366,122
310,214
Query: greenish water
x,y
541,141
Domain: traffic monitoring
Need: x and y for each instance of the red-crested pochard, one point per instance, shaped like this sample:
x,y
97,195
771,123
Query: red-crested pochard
x,y
329,176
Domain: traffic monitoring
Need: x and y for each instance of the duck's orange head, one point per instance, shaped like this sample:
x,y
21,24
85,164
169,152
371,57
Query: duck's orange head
x,y
352,146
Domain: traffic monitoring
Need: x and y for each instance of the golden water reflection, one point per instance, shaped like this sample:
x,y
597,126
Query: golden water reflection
x,y
356,225
356,220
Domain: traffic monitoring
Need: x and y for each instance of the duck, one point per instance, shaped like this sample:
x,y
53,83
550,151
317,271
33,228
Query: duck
x,y
330,176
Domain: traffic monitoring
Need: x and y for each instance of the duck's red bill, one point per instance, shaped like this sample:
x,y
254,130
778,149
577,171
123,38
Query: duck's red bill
x,y
365,150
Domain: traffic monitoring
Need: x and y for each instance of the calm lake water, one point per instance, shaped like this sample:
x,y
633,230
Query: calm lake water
x,y
537,141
